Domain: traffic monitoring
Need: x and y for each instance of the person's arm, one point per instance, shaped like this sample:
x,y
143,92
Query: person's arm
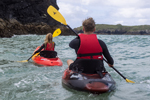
x,y
43,46
106,53
74,44
54,44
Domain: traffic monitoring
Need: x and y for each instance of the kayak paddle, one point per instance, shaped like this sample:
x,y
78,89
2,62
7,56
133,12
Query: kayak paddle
x,y
26,60
56,33
127,80
55,14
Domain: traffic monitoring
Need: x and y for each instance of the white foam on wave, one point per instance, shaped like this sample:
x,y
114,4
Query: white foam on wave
x,y
17,84
24,35
21,83
1,71
145,81
148,81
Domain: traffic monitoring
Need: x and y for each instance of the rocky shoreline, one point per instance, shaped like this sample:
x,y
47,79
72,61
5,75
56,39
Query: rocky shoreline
x,y
118,32
13,27
119,29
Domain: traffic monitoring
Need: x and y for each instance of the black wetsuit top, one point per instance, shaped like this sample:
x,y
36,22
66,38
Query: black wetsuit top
x,y
42,47
75,43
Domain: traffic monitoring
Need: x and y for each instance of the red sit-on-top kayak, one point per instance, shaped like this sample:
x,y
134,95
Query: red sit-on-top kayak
x,y
46,61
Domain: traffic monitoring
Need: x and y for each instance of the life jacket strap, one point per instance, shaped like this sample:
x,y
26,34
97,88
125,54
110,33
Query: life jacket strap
x,y
90,54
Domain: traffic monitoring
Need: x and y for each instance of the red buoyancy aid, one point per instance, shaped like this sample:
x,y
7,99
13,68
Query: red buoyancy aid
x,y
50,46
89,47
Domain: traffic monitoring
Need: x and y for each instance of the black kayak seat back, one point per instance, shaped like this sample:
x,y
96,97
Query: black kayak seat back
x,y
48,54
88,66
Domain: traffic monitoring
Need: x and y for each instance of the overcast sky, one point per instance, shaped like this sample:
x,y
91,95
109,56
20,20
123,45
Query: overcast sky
x,y
125,12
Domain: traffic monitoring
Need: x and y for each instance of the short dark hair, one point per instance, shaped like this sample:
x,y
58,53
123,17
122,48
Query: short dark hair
x,y
89,24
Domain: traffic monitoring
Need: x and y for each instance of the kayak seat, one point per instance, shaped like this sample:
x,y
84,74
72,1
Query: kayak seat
x,y
48,54
88,66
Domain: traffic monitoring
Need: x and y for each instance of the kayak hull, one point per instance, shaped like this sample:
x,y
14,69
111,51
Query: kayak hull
x,y
46,61
88,82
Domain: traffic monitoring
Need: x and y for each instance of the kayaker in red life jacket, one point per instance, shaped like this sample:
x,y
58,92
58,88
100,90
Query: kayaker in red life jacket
x,y
48,44
89,50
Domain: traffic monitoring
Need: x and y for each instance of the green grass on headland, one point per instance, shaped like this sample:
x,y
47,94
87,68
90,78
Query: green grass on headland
x,y
119,29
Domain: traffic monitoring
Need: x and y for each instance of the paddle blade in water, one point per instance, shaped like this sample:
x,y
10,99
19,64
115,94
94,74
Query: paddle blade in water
x,y
23,61
56,32
55,14
129,81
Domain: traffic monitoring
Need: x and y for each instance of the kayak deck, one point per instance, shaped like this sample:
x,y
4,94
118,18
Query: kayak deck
x,y
88,82
46,61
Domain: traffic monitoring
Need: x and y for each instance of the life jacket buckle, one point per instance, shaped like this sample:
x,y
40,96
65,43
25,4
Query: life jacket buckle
x,y
99,57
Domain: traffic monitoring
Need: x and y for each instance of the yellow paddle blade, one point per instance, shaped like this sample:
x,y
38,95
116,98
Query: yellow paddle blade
x,y
23,61
35,55
55,14
56,32
129,81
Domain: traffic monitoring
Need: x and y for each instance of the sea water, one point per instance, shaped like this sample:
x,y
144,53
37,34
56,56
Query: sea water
x,y
29,81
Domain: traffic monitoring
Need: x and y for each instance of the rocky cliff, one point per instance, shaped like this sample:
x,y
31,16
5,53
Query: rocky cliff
x,y
26,17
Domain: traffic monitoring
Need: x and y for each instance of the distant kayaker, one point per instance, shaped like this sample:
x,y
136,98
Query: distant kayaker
x,y
48,45
89,50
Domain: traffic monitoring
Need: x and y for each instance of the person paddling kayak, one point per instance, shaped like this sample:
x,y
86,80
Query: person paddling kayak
x,y
47,55
89,50
48,46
